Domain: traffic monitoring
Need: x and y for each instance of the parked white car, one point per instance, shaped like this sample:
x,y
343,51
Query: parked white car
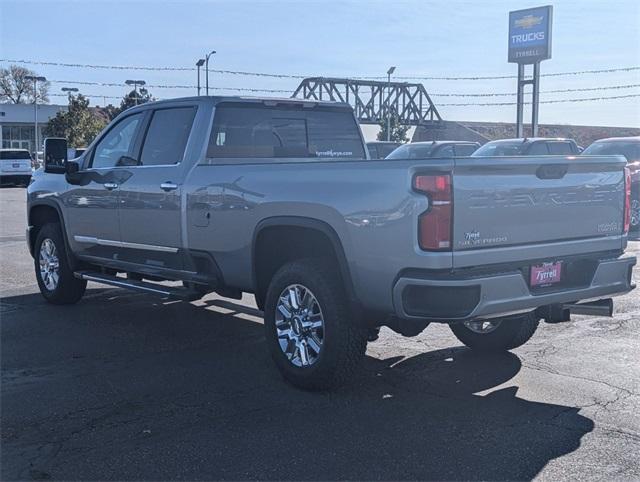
x,y
15,166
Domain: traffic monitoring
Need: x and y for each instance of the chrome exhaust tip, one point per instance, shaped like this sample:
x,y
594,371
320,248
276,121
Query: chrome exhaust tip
x,y
594,308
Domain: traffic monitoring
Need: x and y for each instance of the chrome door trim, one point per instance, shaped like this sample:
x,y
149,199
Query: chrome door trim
x,y
124,244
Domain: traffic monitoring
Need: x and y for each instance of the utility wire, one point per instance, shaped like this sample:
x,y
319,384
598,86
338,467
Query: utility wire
x,y
291,76
161,86
288,91
461,104
557,101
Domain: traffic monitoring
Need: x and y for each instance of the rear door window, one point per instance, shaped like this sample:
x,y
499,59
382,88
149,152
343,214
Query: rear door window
x,y
287,131
167,136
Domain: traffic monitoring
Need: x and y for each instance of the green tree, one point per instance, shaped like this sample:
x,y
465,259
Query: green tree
x,y
80,124
136,97
398,131
133,98
15,88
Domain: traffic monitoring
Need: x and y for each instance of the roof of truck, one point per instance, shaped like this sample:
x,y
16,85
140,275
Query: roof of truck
x,y
438,143
216,99
531,139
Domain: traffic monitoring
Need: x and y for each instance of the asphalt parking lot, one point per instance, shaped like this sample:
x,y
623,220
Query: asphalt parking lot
x,y
127,386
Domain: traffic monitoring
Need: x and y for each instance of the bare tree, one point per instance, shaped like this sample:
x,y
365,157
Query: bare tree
x,y
15,88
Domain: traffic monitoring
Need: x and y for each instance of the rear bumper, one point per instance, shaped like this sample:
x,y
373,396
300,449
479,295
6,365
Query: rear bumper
x,y
15,177
418,298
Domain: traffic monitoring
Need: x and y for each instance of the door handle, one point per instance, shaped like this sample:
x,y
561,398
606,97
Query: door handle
x,y
110,186
168,186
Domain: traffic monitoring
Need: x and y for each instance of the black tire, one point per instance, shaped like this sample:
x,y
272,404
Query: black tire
x,y
68,289
512,332
344,341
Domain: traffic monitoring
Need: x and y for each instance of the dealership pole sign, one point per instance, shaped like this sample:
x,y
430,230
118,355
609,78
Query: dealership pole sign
x,y
529,43
530,35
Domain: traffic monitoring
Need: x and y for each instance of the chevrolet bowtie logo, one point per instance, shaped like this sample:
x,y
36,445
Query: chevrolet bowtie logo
x,y
528,21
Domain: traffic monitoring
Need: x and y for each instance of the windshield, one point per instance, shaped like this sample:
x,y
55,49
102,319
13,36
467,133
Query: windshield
x,y
630,150
409,151
500,149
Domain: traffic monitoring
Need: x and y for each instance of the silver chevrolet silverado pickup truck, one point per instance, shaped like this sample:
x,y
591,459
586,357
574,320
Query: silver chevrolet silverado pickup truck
x,y
277,197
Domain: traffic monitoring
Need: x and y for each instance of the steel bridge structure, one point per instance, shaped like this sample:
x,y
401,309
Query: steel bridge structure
x,y
371,99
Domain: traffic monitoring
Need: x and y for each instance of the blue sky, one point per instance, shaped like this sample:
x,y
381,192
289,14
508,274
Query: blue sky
x,y
333,38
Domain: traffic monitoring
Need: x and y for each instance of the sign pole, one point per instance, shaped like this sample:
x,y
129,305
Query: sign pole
x,y
520,102
535,100
529,43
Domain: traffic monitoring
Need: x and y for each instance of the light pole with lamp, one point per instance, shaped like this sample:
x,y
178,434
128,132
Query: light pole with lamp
x,y
206,67
68,90
199,64
389,72
135,84
35,79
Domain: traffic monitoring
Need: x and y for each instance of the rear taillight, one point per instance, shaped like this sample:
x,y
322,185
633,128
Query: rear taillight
x,y
434,225
627,199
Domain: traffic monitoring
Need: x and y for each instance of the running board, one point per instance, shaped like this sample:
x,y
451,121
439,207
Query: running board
x,y
184,294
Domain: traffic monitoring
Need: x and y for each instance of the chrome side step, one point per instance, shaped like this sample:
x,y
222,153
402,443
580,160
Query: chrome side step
x,y
143,286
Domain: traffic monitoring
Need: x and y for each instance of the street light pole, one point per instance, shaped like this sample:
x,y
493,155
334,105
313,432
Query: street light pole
x,y
199,64
135,84
206,67
35,79
389,72
68,90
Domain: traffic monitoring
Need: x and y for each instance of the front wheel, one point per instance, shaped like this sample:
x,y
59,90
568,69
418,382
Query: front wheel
x,y
497,334
311,333
55,278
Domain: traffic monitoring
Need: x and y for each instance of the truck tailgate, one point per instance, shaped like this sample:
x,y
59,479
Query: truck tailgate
x,y
536,207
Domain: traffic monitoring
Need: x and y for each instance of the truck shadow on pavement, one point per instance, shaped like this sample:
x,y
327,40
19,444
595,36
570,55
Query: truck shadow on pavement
x,y
124,386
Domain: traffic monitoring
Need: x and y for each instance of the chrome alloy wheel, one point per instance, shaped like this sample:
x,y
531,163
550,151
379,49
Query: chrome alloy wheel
x,y
483,326
49,264
299,325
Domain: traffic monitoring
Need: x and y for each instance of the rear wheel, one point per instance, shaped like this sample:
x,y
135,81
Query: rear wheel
x,y
498,334
55,277
635,214
311,334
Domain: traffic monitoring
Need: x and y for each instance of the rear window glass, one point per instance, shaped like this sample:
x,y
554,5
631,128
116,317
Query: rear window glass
x,y
12,155
630,150
500,149
463,150
538,149
409,151
247,131
560,148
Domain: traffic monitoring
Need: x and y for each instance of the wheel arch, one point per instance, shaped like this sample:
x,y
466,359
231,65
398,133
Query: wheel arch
x,y
299,224
41,213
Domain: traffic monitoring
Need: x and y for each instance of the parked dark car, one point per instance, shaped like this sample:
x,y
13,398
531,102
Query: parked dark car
x,y
381,149
529,146
423,150
629,147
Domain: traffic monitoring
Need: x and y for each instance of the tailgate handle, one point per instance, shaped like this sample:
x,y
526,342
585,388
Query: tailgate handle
x,y
552,171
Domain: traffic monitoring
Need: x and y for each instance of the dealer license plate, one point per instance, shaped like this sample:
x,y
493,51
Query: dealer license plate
x,y
546,274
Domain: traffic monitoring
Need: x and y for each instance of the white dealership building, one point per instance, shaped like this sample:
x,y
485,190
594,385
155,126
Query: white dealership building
x,y
17,124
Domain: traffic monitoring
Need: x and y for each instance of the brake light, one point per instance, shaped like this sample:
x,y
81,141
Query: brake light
x,y
627,199
434,225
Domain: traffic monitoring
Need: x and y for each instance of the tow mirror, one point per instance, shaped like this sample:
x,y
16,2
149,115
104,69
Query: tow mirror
x,y
55,155
71,170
